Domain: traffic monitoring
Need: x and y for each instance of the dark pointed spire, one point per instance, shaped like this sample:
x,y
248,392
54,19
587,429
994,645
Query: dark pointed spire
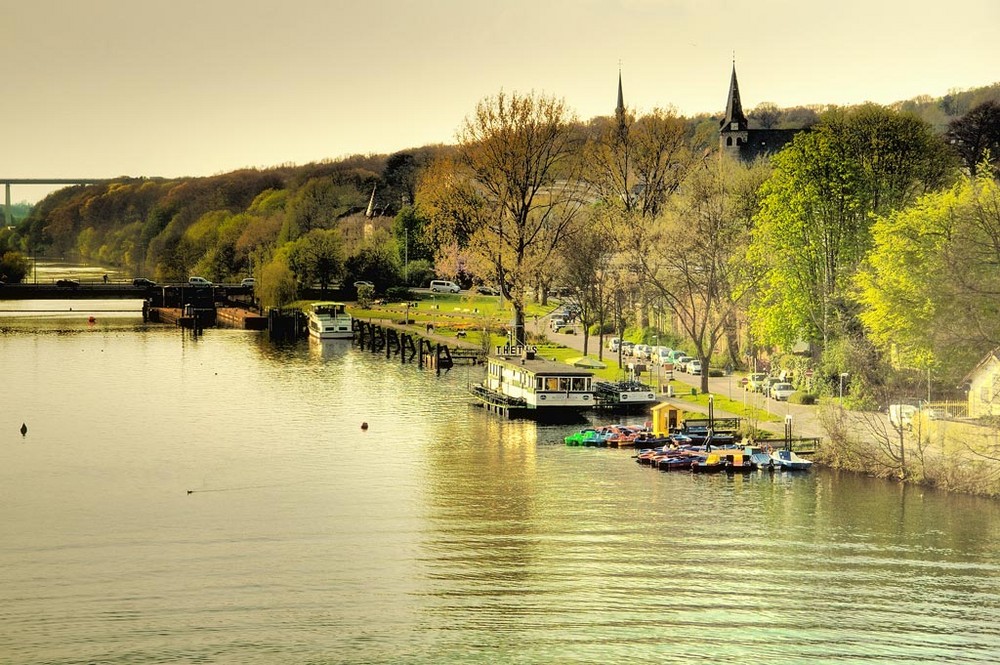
x,y
620,109
734,107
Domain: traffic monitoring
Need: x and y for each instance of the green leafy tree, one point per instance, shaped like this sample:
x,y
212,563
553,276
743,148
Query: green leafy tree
x,y
317,257
276,285
930,288
375,262
813,229
409,229
14,267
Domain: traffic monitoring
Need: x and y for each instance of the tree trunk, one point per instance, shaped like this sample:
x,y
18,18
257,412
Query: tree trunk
x,y
520,336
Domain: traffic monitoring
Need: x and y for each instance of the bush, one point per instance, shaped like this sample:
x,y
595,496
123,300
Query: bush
x,y
712,371
399,294
802,398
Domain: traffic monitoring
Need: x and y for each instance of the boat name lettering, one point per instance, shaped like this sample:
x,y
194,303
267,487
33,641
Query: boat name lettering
x,y
516,349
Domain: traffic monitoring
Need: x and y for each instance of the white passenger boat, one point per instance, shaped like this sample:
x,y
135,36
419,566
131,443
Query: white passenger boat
x,y
518,383
330,320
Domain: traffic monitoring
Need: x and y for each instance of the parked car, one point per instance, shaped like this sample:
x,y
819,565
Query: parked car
x,y
143,282
67,283
754,380
557,323
662,355
628,348
484,290
247,282
363,282
766,383
198,281
642,351
681,363
613,344
444,286
781,391
693,366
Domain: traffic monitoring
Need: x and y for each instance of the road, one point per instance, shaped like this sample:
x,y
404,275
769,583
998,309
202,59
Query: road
x,y
805,422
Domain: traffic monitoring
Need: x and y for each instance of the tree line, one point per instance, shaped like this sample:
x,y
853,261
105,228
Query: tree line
x,y
865,247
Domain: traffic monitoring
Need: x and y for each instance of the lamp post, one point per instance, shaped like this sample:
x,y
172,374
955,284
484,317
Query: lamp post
x,y
843,375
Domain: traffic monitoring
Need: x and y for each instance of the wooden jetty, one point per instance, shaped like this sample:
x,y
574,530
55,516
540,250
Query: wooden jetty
x,y
395,340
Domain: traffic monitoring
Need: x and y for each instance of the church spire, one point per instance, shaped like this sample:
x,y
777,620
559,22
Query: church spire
x,y
620,109
370,212
734,107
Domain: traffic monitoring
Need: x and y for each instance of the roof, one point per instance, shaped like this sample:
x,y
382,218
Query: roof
x,y
734,107
540,366
992,355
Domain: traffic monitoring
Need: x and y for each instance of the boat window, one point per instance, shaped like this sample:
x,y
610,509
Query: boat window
x,y
552,383
579,384
564,384
539,383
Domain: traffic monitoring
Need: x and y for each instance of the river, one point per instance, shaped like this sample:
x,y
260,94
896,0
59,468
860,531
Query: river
x,y
215,499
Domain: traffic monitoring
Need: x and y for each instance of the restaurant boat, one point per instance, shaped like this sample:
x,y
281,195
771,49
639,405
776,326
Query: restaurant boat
x,y
519,384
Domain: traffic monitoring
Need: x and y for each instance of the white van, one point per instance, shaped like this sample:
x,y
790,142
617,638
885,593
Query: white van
x,y
198,281
444,286
901,415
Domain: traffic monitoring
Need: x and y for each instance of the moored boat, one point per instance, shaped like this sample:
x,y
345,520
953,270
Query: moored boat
x,y
330,320
518,383
786,460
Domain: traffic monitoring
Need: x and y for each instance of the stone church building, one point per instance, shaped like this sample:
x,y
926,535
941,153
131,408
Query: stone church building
x,y
738,140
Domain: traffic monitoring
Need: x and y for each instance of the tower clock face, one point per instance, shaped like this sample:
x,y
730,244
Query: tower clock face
x,y
734,126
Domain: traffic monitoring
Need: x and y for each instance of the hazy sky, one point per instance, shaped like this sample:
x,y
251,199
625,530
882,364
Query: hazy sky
x,y
102,88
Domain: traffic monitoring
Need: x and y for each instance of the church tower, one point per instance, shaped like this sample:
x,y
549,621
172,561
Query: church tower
x,y
620,110
734,129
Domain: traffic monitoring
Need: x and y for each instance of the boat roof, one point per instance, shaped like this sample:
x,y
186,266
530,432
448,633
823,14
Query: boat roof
x,y
327,304
540,366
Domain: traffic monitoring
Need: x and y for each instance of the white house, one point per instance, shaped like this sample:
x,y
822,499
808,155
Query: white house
x,y
984,386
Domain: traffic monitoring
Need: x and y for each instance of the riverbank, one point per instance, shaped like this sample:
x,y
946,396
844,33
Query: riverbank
x,y
945,455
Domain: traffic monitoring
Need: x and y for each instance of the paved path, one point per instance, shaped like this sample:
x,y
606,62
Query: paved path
x,y
804,419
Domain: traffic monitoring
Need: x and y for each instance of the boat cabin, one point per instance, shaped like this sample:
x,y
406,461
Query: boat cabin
x,y
330,320
515,373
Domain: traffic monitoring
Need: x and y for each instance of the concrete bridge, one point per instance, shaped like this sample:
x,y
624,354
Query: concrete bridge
x,y
98,290
45,181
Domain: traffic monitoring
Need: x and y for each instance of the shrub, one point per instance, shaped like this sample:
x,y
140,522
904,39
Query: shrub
x,y
713,371
399,294
802,398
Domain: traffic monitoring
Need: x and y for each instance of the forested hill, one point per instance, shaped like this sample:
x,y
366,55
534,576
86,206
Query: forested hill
x,y
167,228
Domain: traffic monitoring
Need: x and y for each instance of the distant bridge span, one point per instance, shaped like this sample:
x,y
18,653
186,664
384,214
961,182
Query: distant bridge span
x,y
46,181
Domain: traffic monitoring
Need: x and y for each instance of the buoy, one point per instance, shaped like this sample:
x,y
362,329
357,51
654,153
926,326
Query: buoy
x,y
364,425
24,429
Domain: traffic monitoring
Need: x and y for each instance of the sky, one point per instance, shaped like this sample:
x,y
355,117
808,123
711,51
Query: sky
x,y
107,88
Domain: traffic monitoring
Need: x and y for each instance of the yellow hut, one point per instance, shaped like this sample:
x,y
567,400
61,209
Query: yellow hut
x,y
667,418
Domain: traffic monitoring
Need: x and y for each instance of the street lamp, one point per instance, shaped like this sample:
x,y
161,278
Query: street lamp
x,y
843,375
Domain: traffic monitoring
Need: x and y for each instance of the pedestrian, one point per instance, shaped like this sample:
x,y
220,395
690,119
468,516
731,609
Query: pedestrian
x,y
105,278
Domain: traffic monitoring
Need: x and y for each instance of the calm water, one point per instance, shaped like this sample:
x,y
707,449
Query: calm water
x,y
214,499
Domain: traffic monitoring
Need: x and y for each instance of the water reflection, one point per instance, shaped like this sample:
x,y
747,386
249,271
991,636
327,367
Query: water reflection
x,y
440,533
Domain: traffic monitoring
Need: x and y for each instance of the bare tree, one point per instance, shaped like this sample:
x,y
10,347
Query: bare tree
x,y
697,264
513,191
